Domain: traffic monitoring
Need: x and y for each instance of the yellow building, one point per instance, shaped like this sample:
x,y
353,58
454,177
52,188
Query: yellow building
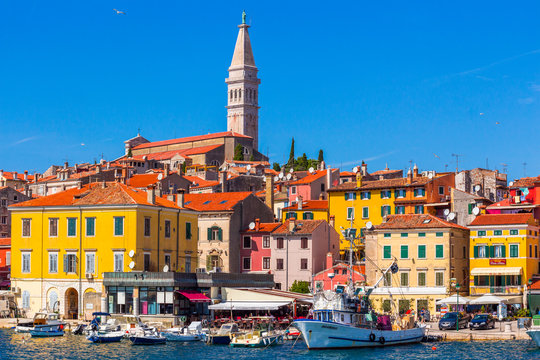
x,y
429,253
63,243
504,254
307,210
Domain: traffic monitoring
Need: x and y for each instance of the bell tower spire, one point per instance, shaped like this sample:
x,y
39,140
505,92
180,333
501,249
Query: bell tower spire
x,y
243,88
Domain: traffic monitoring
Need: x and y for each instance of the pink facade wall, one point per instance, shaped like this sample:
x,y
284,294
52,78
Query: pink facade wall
x,y
257,252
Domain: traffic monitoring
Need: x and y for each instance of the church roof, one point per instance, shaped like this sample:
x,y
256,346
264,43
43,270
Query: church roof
x,y
190,139
243,55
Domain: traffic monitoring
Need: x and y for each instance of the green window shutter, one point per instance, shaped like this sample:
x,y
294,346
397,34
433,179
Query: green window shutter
x,y
396,193
475,255
346,196
492,251
389,209
209,232
503,251
304,216
369,195
66,263
415,192
287,215
404,252
220,234
476,281
354,196
439,251
519,279
382,211
387,252
421,251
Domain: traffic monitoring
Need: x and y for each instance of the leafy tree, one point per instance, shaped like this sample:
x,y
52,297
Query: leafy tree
x,y
302,163
300,287
129,153
238,153
252,158
183,167
321,155
276,166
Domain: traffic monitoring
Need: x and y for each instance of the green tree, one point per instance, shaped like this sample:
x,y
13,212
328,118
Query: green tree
x,y
183,167
252,158
291,154
300,287
129,153
238,153
321,155
302,163
276,167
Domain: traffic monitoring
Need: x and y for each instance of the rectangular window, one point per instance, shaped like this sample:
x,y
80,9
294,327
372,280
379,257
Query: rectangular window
x,y
400,209
26,227
53,262
439,254
308,215
3,220
422,278
421,251
404,234
266,263
385,210
187,264
470,208
365,195
167,228
482,233
497,232
168,260
404,254
350,196
350,213
386,194
8,258
303,264
90,263
441,190
304,243
72,227
70,263
119,226
246,263
266,242
439,278
90,226
279,243
247,242
404,279
439,234
422,234
119,262
188,231
500,251
215,233
530,251
146,262
53,227
147,223
387,252
387,235
482,251
279,264
514,232
293,190
419,209
365,212
514,250
25,263
400,193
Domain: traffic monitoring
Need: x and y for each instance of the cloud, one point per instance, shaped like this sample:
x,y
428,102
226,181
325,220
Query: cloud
x,y
25,140
526,101
358,162
505,60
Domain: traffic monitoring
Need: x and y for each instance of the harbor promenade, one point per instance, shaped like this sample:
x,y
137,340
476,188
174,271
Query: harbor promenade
x,y
500,332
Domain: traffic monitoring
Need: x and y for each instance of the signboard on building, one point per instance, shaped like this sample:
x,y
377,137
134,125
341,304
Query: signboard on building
x,y
497,261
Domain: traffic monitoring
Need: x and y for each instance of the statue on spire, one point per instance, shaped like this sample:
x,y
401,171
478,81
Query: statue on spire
x,y
243,16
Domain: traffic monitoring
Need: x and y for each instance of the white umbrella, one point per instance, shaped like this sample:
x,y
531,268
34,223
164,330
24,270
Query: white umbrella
x,y
488,299
453,300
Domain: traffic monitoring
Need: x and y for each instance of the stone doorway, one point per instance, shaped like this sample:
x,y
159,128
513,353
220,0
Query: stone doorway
x,y
71,304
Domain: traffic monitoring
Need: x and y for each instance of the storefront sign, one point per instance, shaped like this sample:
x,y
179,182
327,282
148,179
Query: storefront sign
x,y
497,261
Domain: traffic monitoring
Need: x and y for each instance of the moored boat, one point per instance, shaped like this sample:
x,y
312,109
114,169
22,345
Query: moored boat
x,y
222,336
40,318
108,337
534,330
191,333
47,330
151,337
261,336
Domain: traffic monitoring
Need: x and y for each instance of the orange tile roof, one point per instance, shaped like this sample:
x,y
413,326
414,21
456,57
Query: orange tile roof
x,y
382,184
347,173
198,182
505,202
502,219
20,176
302,226
143,180
416,221
166,155
214,202
94,194
310,205
264,228
317,174
190,139
264,163
271,172
384,172
526,182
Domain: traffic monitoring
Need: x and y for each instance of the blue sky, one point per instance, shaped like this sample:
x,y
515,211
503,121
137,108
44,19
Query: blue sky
x,y
386,81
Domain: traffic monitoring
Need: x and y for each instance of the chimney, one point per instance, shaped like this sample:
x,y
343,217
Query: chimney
x,y
415,171
35,177
328,178
359,179
292,225
25,175
180,198
329,260
166,170
322,165
257,224
76,167
124,176
15,175
66,165
223,181
269,193
79,185
1,172
300,202
332,220
409,176
98,169
108,165
26,189
363,168
151,194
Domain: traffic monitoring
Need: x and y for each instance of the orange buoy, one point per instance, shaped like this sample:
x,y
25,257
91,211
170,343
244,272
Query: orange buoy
x,y
433,348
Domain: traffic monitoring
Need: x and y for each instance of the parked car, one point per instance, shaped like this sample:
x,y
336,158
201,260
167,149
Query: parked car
x,y
482,321
448,321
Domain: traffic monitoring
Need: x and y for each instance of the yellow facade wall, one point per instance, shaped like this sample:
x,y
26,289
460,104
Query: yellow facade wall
x,y
317,214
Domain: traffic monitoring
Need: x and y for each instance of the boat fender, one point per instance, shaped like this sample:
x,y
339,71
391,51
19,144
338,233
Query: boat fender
x,y
381,340
61,327
372,337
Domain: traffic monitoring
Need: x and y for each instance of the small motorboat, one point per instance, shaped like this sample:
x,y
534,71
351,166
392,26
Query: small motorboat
x,y
40,318
113,336
292,333
103,323
222,336
534,330
191,333
151,337
262,335
47,330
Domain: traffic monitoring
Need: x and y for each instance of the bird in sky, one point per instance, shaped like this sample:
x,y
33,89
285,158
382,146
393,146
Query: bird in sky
x,y
481,114
119,12
497,123
437,156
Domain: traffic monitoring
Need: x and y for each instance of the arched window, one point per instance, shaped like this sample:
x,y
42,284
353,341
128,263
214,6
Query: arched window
x,y
26,299
53,298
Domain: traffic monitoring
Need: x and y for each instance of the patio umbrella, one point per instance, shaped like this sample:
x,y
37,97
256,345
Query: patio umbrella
x,y
453,300
488,299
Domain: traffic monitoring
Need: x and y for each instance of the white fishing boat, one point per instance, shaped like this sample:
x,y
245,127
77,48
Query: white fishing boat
x,y
40,319
191,333
534,330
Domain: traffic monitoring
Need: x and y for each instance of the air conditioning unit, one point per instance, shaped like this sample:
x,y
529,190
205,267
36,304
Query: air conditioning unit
x,y
200,270
16,290
89,275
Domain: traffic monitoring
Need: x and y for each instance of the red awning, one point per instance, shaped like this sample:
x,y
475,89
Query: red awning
x,y
194,296
5,283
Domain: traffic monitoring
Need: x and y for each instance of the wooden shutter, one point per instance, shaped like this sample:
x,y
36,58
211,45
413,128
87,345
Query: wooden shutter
x,y
492,251
369,195
209,230
66,263
346,196
503,251
354,196
475,254
476,280
382,211
220,234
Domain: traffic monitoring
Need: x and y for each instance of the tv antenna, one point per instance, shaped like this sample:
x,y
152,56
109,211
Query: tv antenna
x,y
457,161
524,169
504,167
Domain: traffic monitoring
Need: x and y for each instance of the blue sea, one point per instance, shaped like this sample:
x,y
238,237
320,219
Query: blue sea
x,y
17,346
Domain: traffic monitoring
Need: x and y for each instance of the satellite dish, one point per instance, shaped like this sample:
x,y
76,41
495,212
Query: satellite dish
x,y
291,171
311,170
131,253
276,178
166,268
369,225
446,212
477,188
160,176
511,183
451,216
251,225
131,265
248,168
281,175
289,176
430,176
144,158
355,169
476,211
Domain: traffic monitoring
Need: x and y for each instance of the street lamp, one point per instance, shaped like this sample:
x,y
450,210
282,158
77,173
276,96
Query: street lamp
x,y
457,305
529,297
331,276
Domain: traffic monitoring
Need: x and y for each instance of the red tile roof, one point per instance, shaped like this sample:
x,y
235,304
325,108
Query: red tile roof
x,y
310,205
502,219
347,173
190,139
505,202
264,163
214,202
416,221
143,180
263,228
166,155
302,226
385,172
317,174
20,176
382,184
526,182
198,182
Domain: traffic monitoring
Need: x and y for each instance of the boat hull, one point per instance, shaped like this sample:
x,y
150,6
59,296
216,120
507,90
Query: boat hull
x,y
329,335
535,336
262,342
180,337
106,338
217,339
147,340
46,333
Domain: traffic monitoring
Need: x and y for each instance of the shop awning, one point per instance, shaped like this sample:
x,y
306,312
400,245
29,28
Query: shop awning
x,y
5,283
496,271
194,296
248,305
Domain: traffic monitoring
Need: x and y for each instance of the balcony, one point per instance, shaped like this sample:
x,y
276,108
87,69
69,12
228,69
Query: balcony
x,y
497,290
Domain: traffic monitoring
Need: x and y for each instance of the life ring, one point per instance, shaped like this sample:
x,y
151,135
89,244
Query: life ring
x,y
183,318
382,340
362,303
372,337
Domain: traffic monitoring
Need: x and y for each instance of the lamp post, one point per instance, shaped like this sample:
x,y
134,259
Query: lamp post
x,y
457,307
331,276
529,297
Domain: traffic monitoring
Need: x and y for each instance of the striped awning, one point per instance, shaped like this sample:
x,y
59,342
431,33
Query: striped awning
x,y
496,271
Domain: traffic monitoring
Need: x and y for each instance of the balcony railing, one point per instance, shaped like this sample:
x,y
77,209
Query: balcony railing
x,y
497,290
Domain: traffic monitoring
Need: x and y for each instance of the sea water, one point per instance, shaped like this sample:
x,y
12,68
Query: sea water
x,y
22,346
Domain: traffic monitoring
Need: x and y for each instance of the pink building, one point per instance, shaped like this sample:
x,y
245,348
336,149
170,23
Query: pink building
x,y
338,274
524,197
256,252
299,249
314,185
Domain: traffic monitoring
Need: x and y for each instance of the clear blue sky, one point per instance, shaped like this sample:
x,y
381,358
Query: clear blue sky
x,y
383,81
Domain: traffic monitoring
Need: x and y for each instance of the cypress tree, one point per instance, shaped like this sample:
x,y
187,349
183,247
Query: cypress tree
x,y
238,153
291,155
321,155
